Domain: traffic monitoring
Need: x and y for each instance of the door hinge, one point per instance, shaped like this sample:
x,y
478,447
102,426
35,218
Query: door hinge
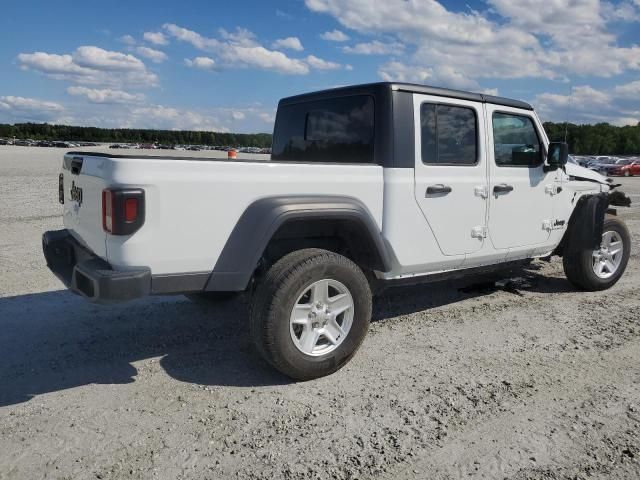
x,y
481,191
552,189
479,232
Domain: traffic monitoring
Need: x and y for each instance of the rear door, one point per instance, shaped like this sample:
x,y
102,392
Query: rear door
x,y
451,171
81,180
521,202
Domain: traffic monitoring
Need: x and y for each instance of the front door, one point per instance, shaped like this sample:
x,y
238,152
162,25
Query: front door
x,y
451,171
520,204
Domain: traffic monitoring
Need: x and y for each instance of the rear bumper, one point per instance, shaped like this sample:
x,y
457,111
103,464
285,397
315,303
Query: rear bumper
x,y
88,275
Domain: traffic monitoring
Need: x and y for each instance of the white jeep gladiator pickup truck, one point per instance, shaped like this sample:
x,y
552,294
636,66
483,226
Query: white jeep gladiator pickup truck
x,y
367,186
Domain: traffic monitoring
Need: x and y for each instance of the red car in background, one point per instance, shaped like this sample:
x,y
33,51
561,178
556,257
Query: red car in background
x,y
627,169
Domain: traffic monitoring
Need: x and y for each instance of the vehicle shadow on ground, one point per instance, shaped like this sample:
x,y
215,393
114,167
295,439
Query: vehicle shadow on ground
x,y
410,299
56,340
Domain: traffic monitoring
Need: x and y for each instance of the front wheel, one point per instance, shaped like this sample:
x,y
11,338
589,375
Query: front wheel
x,y
310,313
601,268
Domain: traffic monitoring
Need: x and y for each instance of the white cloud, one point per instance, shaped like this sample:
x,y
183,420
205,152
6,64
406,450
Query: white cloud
x,y
267,117
99,59
285,15
240,49
157,38
106,95
29,109
490,91
203,63
90,65
292,43
335,36
119,109
375,47
152,54
516,40
619,105
163,117
443,76
128,40
320,64
630,90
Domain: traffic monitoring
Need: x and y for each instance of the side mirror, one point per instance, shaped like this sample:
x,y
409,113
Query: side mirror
x,y
558,155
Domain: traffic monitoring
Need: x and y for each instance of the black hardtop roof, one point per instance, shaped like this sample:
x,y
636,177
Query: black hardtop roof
x,y
373,88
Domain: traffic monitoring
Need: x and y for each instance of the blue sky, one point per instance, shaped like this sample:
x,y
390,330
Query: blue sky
x,y
217,65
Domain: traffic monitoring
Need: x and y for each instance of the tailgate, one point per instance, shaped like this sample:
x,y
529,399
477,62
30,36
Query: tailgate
x,y
82,183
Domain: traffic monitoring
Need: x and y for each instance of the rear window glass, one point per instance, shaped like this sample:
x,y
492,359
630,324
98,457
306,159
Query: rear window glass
x,y
337,130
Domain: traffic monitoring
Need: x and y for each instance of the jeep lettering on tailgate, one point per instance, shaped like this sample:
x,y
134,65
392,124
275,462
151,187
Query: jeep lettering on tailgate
x,y
76,193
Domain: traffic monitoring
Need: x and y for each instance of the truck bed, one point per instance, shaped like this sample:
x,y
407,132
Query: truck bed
x,y
193,202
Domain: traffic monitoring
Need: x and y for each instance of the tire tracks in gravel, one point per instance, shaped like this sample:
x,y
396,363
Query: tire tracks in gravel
x,y
539,433
607,333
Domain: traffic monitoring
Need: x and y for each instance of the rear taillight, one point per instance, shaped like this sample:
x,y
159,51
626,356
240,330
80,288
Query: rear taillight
x,y
61,188
122,210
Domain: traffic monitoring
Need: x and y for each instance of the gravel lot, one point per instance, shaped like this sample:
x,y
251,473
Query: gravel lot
x,y
534,380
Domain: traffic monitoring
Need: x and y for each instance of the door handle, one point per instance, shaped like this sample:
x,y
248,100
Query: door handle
x,y
502,188
439,188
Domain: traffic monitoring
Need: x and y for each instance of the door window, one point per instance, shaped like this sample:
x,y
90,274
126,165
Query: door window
x,y
516,142
449,135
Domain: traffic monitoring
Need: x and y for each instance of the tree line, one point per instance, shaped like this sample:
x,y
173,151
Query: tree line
x,y
44,131
598,139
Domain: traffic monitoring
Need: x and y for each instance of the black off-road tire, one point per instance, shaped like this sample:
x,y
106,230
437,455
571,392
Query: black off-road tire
x,y
275,297
578,264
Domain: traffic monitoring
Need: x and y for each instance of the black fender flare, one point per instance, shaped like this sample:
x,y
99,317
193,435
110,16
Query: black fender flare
x,y
586,223
260,221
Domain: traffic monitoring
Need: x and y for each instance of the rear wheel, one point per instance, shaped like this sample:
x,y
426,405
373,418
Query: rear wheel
x,y
627,173
601,268
310,313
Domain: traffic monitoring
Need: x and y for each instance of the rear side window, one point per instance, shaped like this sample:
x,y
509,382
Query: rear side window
x,y
449,135
339,130
515,141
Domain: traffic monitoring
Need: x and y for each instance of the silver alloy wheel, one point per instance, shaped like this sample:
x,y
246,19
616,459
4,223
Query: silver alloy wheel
x,y
607,259
321,317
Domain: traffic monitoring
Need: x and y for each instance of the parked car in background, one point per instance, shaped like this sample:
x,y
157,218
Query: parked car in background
x,y
602,164
626,168
583,160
